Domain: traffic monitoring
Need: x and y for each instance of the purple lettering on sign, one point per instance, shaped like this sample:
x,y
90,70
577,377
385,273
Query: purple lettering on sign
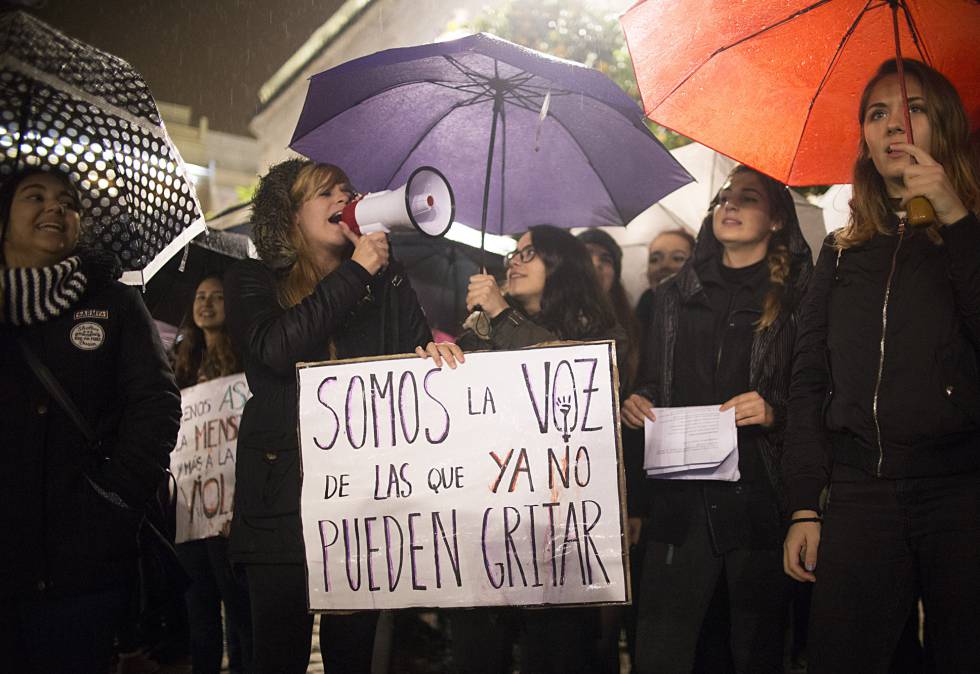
x,y
588,391
439,531
326,545
589,543
408,377
486,560
411,551
350,397
379,391
336,420
357,537
393,576
445,412
370,550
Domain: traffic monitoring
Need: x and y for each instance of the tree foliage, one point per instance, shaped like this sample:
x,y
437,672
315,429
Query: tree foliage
x,y
574,30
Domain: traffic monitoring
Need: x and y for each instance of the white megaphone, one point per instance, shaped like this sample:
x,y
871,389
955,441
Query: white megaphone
x,y
425,202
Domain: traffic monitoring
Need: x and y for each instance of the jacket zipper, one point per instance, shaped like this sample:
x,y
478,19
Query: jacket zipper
x,y
881,354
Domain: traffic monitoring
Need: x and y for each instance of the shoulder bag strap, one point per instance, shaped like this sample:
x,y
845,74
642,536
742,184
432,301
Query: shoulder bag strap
x,y
55,390
58,393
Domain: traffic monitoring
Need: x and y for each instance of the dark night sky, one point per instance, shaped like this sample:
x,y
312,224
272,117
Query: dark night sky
x,y
212,55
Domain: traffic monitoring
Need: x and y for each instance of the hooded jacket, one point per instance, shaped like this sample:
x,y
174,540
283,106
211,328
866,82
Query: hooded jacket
x,y
886,374
769,364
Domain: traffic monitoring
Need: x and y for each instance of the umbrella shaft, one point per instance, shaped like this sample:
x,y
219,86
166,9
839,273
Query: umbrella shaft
x,y
901,75
497,104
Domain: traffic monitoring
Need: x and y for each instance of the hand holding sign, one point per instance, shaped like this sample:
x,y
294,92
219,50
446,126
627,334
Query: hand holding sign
x,y
496,484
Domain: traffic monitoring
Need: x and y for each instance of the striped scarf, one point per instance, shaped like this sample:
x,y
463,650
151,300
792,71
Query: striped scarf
x,y
33,295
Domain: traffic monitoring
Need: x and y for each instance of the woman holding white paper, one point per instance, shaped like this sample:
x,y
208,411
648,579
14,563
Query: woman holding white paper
x,y
552,294
722,333
319,293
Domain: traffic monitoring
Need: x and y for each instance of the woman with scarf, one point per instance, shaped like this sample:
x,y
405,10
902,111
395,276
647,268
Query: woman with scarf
x,y
722,334
885,404
69,509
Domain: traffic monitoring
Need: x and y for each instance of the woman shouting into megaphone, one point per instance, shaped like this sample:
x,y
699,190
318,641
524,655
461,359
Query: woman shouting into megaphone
x,y
320,292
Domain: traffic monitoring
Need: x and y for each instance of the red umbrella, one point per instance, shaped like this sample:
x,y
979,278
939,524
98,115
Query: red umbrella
x,y
776,85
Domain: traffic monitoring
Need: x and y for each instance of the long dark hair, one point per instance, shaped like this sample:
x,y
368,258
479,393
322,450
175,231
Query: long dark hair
x,y
572,305
189,349
950,132
621,305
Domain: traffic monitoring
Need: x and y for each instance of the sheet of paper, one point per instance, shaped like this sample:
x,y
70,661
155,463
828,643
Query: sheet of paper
x,y
727,470
696,442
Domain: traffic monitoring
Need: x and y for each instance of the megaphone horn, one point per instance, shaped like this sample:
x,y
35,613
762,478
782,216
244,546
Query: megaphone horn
x,y
425,202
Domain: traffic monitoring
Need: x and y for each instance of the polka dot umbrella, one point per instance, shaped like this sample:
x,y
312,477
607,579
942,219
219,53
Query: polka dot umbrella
x,y
76,109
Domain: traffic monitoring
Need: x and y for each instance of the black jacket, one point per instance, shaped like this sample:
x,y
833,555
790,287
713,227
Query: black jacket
x,y
364,316
59,535
512,329
922,370
769,370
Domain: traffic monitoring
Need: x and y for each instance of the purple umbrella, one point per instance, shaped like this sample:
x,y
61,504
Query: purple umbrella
x,y
524,138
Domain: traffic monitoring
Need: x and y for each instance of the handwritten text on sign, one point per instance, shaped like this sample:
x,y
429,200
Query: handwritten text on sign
x,y
497,483
204,460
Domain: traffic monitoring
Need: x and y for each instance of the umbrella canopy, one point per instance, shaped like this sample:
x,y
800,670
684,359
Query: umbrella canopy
x,y
524,138
169,294
776,85
439,270
74,108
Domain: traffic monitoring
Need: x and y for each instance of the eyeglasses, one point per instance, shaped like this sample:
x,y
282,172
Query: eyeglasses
x,y
523,255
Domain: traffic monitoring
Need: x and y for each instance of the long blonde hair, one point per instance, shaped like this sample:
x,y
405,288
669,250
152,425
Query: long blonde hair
x,y
950,132
301,279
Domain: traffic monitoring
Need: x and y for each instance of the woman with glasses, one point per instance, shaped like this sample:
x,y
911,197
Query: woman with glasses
x,y
552,293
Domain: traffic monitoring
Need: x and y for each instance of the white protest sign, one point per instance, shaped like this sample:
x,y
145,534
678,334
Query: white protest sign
x,y
497,483
204,460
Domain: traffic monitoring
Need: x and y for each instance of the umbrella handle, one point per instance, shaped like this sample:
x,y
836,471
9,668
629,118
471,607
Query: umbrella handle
x,y
919,212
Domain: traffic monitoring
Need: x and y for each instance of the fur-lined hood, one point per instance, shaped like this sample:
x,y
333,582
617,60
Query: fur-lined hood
x,y
272,210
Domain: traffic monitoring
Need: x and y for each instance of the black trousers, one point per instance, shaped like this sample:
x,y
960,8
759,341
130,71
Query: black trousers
x,y
677,586
884,541
552,640
282,628
60,635
213,582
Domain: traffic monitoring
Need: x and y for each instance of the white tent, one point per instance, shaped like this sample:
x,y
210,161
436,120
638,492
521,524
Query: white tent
x,y
686,208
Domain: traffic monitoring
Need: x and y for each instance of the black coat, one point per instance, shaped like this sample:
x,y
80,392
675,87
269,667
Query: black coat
x,y
59,536
926,374
364,316
746,517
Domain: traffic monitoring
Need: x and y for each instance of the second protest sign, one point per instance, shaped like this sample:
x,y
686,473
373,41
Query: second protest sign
x,y
498,483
